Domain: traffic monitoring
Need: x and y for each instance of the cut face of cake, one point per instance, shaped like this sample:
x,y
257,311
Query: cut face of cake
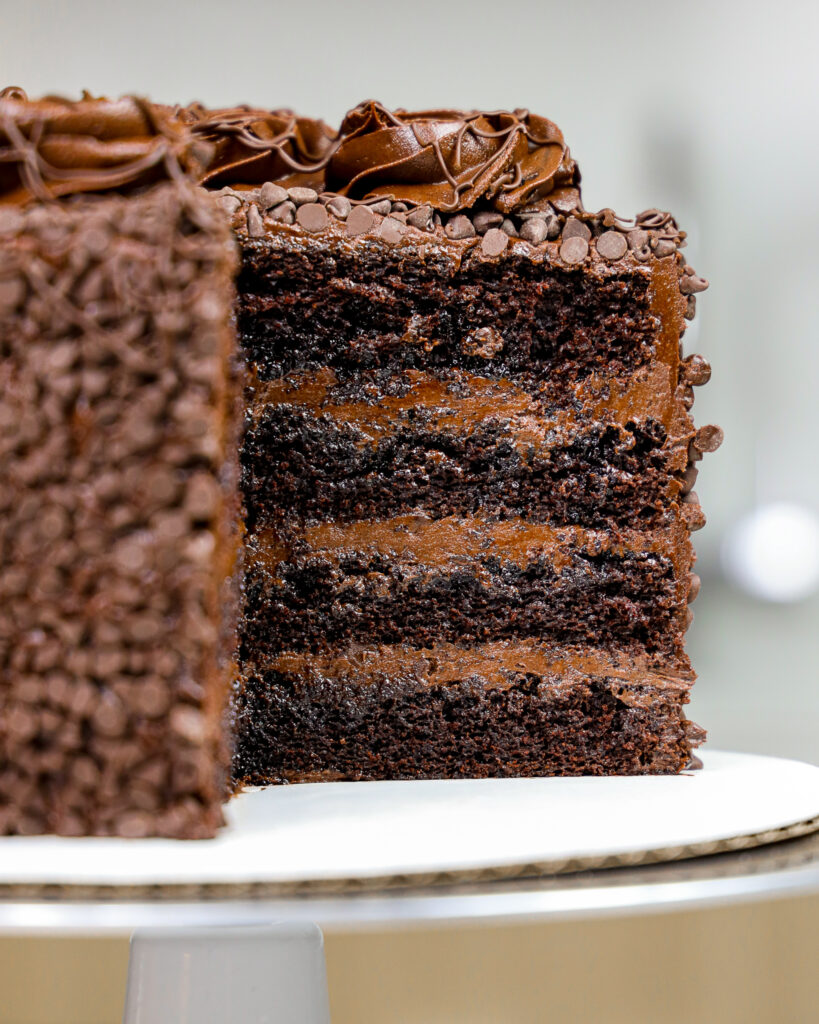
x,y
467,463
118,477
439,528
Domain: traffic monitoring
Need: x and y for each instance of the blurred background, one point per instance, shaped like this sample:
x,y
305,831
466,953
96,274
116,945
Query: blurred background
x,y
708,109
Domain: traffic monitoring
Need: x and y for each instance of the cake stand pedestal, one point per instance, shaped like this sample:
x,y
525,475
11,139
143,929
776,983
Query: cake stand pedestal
x,y
391,855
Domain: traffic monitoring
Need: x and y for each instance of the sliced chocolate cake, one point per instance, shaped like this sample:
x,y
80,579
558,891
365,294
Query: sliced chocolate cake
x,y
118,475
468,457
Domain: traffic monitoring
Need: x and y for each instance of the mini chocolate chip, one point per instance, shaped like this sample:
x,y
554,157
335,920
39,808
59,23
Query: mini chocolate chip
x,y
21,723
665,247
637,238
421,218
611,245
188,723
688,396
708,438
130,554
391,230
230,204
300,196
574,249
53,523
340,207
11,220
399,208
690,307
689,617
553,226
575,228
284,213
255,224
360,221
110,717
694,583
312,217
692,284
494,242
534,230
566,203
202,496
134,824
691,498
486,219
689,479
509,228
459,226
84,772
696,370
150,698
271,194
108,661
382,207
12,293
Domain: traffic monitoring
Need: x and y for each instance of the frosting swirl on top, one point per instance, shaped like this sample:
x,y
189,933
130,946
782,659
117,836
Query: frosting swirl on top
x,y
55,147
450,159
254,146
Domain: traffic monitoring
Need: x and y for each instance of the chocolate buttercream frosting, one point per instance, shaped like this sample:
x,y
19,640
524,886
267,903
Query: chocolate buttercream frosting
x,y
450,159
55,147
447,159
254,146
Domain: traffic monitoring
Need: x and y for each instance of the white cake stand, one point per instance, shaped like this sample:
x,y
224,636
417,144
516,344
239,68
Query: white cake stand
x,y
359,855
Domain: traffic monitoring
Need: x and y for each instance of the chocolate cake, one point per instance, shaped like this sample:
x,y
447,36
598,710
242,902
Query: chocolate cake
x,y
468,455
466,463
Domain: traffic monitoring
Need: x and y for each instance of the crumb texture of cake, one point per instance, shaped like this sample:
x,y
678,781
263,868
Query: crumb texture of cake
x,y
468,460
118,494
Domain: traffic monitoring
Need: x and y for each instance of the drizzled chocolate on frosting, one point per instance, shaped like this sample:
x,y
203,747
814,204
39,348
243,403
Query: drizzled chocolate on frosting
x,y
449,159
55,147
254,146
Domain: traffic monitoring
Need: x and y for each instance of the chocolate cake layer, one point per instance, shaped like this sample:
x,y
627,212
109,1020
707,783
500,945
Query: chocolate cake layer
x,y
419,581
297,463
310,301
118,508
505,709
